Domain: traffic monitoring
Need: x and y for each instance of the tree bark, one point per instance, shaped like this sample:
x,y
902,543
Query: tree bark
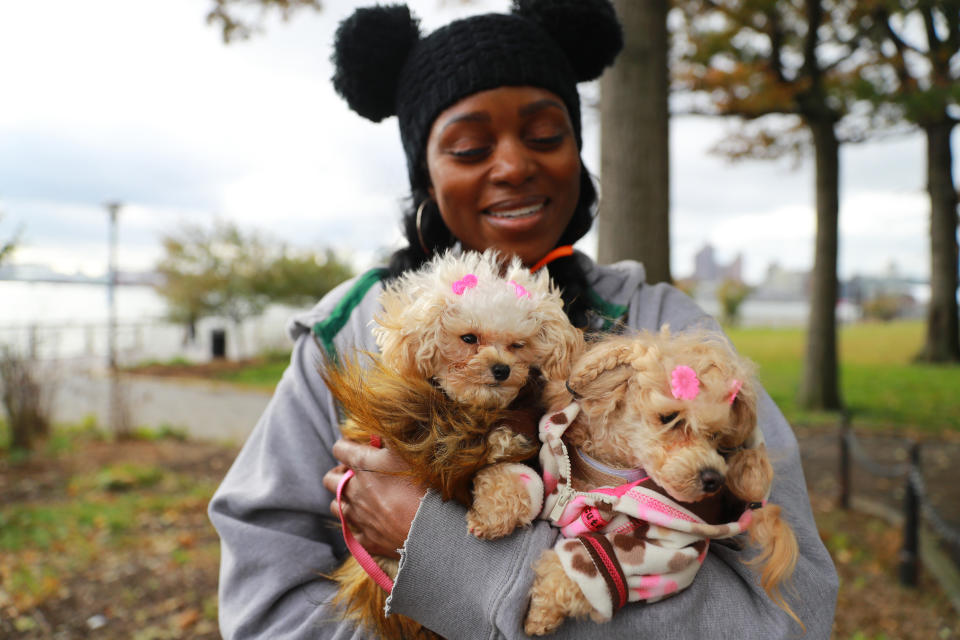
x,y
820,388
634,214
943,333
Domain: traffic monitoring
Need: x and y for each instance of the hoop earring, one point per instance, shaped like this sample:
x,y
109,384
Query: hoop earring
x,y
423,245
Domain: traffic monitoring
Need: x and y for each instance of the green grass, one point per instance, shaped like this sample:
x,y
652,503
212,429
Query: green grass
x,y
265,374
879,382
176,361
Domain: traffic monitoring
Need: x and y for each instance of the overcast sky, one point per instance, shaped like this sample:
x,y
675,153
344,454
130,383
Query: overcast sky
x,y
139,101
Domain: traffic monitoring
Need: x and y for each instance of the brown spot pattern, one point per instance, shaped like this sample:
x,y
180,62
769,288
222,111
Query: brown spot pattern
x,y
631,549
681,560
559,418
571,546
582,564
642,528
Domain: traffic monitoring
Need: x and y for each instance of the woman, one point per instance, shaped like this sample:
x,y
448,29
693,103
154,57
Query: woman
x,y
490,121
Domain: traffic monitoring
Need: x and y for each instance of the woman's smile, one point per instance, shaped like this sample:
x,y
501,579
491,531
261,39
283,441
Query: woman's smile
x,y
517,208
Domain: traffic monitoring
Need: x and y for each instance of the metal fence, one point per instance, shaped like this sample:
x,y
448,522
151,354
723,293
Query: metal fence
x,y
148,340
917,504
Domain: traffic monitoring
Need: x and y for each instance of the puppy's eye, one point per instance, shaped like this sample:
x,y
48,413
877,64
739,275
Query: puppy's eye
x,y
667,418
517,345
469,338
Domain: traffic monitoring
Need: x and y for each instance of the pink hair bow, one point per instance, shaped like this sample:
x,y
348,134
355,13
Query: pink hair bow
x,y
684,383
520,290
468,281
735,387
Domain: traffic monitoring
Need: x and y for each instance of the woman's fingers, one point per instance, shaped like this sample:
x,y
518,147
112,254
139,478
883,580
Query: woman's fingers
x,y
359,456
379,502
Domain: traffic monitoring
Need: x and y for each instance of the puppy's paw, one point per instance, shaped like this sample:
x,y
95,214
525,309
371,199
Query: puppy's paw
x,y
505,496
484,529
504,442
541,620
554,597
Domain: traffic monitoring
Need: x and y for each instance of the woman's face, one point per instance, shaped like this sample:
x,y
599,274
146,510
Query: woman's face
x,y
505,170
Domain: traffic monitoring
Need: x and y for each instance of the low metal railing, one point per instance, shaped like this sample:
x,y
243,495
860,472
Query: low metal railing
x,y
917,506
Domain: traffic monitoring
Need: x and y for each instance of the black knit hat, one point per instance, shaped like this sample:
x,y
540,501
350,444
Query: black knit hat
x,y
384,68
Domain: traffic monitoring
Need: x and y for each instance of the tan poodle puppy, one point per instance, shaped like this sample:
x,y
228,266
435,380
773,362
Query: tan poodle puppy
x,y
467,343
650,450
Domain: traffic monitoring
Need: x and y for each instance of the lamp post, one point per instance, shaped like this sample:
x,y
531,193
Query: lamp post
x,y
113,210
118,424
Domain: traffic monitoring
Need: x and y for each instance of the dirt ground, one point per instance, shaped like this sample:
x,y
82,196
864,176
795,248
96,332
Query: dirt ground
x,y
142,594
201,370
872,604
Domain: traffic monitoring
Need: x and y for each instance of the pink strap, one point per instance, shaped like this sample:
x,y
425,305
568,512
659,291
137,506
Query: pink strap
x,y
363,557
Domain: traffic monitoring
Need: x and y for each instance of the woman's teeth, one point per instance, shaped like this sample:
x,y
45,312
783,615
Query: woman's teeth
x,y
517,213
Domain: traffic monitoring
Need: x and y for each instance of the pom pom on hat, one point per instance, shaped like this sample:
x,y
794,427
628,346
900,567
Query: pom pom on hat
x,y
587,31
370,49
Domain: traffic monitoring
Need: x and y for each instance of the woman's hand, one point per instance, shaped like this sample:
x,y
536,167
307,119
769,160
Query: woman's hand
x,y
379,502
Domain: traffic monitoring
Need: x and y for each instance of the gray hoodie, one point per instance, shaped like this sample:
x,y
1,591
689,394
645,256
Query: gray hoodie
x,y
278,537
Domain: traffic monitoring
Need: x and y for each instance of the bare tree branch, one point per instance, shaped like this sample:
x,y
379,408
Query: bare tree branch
x,y
235,27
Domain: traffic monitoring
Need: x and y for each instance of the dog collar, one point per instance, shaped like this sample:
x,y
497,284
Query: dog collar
x,y
625,476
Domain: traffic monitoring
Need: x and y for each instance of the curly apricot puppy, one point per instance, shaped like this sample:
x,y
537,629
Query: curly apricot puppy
x,y
651,450
466,345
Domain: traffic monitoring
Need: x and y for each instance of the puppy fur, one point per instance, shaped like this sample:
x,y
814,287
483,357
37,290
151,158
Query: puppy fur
x,y
630,419
466,343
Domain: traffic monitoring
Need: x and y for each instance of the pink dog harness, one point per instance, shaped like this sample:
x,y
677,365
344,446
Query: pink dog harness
x,y
623,543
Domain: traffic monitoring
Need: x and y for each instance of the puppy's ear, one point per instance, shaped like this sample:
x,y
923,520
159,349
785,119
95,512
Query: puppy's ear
x,y
399,351
599,379
750,474
744,408
604,357
406,333
565,345
603,395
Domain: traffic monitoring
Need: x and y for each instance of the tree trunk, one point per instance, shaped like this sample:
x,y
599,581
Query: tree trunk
x,y
943,332
820,385
634,214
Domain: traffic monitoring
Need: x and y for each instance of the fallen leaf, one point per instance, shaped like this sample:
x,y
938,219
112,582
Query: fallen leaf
x,y
186,619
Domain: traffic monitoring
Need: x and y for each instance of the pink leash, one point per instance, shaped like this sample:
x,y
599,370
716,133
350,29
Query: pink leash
x,y
363,557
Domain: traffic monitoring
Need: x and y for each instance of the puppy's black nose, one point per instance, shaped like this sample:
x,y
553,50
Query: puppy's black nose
x,y
711,480
500,372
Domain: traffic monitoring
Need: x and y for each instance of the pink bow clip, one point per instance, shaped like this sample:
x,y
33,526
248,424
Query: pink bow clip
x,y
684,383
520,290
735,387
468,281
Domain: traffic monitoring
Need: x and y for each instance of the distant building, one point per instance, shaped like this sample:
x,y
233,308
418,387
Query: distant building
x,y
706,269
783,284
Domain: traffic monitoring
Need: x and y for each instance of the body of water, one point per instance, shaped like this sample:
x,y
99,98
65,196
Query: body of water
x,y
69,321
42,303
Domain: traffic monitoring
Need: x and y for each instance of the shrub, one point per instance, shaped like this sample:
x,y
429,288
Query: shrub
x,y
730,295
25,399
884,307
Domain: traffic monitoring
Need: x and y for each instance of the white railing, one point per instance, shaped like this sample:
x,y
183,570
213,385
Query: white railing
x,y
149,340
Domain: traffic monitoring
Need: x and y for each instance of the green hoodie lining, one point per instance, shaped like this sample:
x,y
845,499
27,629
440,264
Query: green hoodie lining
x,y
326,329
